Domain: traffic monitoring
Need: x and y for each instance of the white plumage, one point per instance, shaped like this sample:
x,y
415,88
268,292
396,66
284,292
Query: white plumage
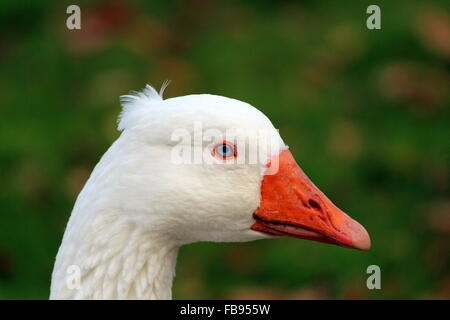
x,y
138,208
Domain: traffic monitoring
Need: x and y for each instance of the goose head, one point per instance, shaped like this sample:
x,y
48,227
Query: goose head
x,y
210,168
186,169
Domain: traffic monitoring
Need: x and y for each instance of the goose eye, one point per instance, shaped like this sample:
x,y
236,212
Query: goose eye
x,y
225,150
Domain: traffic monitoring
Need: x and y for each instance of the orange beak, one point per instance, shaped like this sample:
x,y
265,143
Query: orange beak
x,y
291,205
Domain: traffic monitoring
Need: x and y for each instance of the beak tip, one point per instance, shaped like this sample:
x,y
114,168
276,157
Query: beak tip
x,y
361,239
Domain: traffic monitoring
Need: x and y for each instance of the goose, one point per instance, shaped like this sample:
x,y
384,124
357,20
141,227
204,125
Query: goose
x,y
180,172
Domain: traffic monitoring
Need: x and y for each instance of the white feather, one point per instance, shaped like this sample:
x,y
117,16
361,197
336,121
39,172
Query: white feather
x,y
132,103
138,207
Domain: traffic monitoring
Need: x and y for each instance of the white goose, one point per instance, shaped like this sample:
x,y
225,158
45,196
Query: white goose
x,y
141,204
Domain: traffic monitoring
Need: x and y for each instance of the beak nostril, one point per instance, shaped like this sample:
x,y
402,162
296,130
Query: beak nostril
x,y
314,204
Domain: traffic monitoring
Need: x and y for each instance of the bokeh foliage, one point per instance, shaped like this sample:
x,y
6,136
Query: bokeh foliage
x,y
366,114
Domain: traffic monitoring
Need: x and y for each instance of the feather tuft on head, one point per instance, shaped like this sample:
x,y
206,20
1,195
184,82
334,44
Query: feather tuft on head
x,y
135,103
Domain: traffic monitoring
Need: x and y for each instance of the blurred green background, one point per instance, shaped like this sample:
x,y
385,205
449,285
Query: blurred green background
x,y
366,114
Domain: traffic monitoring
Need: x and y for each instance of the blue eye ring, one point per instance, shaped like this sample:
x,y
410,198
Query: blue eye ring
x,y
224,150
